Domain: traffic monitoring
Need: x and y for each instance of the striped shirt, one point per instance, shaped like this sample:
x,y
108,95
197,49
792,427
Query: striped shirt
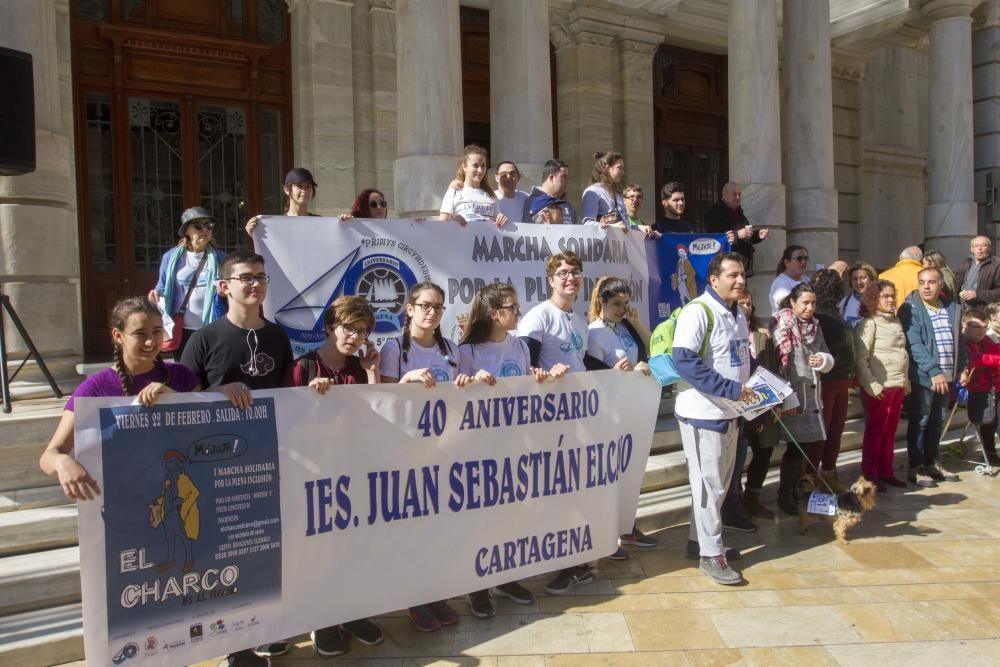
x,y
944,339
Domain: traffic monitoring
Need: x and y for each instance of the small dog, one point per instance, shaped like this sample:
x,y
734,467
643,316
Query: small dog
x,y
849,507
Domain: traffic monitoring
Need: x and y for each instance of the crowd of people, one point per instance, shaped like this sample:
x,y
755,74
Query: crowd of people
x,y
908,333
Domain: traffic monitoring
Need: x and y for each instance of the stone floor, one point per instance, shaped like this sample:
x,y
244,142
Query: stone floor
x,y
917,585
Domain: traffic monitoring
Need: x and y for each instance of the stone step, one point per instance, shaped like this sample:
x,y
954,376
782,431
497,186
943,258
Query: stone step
x,y
24,433
42,637
38,529
39,580
26,499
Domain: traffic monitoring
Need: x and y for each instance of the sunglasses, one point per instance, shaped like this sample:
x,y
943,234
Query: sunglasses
x,y
203,226
803,258
377,204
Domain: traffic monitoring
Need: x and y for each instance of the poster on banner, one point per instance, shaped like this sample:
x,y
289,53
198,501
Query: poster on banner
x,y
769,391
314,260
221,529
681,262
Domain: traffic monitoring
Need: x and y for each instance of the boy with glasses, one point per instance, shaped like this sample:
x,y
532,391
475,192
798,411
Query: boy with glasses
x,y
236,354
555,334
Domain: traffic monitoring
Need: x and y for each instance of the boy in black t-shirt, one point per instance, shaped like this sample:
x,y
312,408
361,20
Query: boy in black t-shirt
x,y
237,353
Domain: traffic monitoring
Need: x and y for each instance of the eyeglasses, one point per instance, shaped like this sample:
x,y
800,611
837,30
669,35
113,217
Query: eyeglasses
x,y
633,197
378,203
801,258
428,307
250,278
202,226
352,332
514,308
563,275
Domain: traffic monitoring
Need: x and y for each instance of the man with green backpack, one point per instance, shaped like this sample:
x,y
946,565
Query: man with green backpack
x,y
710,351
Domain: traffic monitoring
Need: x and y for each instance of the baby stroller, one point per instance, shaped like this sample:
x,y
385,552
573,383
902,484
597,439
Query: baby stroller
x,y
981,410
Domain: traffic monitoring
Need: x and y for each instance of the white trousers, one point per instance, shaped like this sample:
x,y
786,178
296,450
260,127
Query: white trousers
x,y
710,460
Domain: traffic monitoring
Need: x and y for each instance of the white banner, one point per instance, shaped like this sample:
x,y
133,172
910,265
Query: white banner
x,y
314,260
220,529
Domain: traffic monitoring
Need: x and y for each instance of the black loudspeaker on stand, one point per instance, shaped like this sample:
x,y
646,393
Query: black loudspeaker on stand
x,y
6,309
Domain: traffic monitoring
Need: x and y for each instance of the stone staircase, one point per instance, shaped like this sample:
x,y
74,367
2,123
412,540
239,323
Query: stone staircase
x,y
40,612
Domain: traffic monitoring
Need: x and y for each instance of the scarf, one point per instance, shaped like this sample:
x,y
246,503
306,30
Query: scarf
x,y
211,273
791,332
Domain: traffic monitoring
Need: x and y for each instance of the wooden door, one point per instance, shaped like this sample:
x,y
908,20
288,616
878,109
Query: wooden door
x,y
177,103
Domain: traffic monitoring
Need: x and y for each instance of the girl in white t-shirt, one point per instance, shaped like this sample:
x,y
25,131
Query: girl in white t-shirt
x,y
616,334
618,337
487,348
475,201
422,354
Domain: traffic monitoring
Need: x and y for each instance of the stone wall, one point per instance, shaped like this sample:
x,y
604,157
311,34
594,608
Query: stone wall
x,y
893,152
986,110
847,77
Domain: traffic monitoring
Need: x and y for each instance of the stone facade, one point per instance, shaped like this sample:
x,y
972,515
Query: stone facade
x,y
857,163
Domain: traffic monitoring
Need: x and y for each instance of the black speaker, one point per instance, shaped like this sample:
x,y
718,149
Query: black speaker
x,y
17,113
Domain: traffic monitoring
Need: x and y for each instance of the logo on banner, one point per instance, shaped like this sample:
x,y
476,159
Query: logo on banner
x,y
384,281
196,632
127,652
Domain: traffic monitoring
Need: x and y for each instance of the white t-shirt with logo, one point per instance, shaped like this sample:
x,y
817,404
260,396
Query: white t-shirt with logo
x,y
185,271
508,358
611,343
473,204
728,353
563,335
391,362
512,207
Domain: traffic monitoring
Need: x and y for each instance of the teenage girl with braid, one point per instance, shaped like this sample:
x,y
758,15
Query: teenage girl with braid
x,y
138,369
422,354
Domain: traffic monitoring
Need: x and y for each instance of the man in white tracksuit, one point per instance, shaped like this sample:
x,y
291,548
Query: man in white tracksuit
x,y
709,432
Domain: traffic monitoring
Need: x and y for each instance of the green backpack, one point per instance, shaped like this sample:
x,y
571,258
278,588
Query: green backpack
x,y
662,339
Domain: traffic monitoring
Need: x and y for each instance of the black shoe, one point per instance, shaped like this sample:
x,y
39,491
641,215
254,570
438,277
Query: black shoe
x,y
741,524
272,650
788,505
366,631
480,604
330,641
244,658
569,579
515,592
692,552
620,554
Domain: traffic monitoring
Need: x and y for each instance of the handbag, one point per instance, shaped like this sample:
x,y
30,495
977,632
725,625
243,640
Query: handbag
x,y
174,342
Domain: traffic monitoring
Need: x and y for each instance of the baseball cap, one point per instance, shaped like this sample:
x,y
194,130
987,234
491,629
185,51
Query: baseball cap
x,y
544,202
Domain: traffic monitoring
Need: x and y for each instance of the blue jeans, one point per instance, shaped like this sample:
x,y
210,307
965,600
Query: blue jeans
x,y
927,412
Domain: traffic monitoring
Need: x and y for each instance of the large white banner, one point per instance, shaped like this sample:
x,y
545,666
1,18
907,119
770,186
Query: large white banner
x,y
314,260
220,529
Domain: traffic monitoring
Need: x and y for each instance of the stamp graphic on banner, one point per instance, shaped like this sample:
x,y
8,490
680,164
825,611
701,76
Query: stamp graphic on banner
x,y
192,520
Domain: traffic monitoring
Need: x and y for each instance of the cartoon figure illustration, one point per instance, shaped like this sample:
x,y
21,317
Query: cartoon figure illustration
x,y
176,511
684,280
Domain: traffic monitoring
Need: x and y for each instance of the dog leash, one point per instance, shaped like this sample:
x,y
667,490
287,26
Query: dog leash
x,y
804,455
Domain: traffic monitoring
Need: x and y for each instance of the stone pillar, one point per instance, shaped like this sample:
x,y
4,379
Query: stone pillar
x,y
429,118
754,132
807,130
950,214
638,135
323,99
986,111
383,76
520,87
39,241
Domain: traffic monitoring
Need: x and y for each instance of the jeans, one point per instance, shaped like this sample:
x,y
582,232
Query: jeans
x,y
926,411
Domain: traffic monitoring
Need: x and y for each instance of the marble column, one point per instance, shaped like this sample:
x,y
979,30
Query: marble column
x,y
807,130
39,240
950,214
383,75
323,99
520,87
754,132
638,135
429,118
986,111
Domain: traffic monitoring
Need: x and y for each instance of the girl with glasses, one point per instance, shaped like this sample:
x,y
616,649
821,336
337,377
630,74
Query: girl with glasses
x,y
345,358
187,278
422,354
790,272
